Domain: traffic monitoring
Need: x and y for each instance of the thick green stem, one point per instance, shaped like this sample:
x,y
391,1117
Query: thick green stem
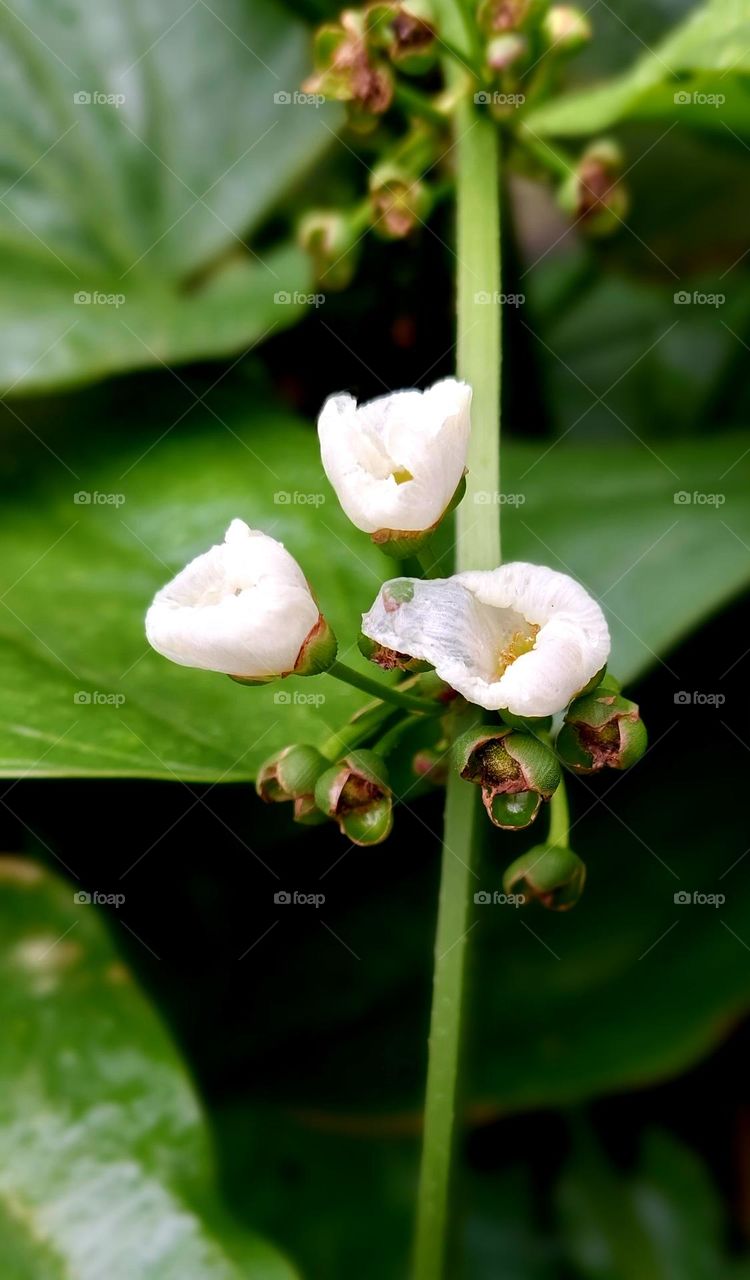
x,y
385,692
477,547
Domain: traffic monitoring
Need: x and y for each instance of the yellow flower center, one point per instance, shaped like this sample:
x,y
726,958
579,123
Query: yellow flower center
x,y
519,643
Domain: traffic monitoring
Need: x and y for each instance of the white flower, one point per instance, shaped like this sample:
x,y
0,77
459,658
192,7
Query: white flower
x,y
396,462
243,608
521,638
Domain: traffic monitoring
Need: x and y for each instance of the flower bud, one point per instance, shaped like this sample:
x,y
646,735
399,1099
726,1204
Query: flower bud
x,y
345,69
355,793
566,27
504,51
399,201
330,237
592,194
495,16
290,773
548,873
515,771
307,813
601,729
405,33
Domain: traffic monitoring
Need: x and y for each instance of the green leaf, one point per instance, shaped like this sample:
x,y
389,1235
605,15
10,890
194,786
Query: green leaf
x,y
143,204
705,56
84,695
664,1222
105,1164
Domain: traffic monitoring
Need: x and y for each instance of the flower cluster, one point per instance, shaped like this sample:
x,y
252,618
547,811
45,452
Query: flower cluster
x,y
521,640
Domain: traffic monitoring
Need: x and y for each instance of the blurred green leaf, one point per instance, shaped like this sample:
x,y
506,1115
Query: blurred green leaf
x,y
141,146
105,1165
663,1222
706,55
84,695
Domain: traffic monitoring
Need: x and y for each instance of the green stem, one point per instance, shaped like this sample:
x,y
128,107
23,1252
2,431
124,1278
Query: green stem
x,y
477,547
559,818
429,561
385,692
418,104
351,735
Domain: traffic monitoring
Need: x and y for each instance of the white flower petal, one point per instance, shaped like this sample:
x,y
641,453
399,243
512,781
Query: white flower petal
x,y
397,461
463,626
243,608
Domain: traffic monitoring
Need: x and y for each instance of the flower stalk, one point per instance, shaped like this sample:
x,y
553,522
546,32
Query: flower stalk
x,y
385,692
477,547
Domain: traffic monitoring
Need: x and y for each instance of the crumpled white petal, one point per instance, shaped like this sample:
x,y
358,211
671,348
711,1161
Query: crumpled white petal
x,y
397,461
243,608
462,625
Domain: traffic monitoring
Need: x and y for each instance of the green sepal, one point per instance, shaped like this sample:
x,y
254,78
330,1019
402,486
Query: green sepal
x,y
549,874
290,773
369,826
307,813
531,724
389,659
318,652
401,545
601,729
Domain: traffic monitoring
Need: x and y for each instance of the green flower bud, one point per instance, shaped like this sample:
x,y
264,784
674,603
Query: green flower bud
x,y
405,33
548,873
355,793
345,70
399,201
504,51
566,28
601,729
515,771
593,195
330,237
290,773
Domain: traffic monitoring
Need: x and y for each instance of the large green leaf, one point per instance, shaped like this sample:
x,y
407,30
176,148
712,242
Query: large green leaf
x,y
141,205
76,579
105,1165
679,79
